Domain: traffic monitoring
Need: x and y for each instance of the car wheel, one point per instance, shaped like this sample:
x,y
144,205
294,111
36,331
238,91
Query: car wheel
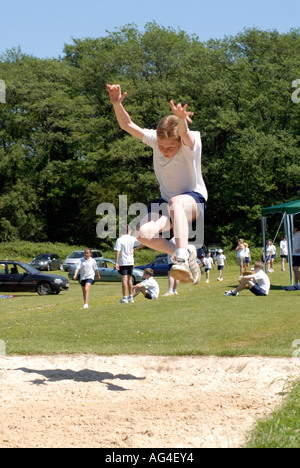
x,y
134,282
43,289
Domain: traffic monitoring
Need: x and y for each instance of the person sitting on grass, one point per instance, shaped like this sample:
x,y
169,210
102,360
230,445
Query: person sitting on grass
x,y
258,282
149,287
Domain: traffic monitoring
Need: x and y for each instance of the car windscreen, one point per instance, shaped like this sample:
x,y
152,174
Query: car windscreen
x,y
76,255
29,268
42,257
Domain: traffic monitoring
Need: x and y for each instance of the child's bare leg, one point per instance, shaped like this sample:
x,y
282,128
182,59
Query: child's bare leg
x,y
149,230
183,209
244,284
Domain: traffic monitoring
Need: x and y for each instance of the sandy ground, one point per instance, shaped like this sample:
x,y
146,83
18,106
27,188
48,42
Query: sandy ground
x,y
137,401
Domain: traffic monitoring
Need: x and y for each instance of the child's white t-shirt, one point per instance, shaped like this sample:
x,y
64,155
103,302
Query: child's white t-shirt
x,y
179,174
271,249
87,268
208,262
220,259
152,285
125,245
263,281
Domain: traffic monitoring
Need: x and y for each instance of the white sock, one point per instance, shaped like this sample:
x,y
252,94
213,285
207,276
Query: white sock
x,y
182,253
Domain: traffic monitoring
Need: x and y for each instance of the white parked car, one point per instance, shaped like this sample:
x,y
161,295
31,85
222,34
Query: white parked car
x,y
75,256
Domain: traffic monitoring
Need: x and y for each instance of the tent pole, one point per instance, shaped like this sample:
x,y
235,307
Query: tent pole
x,y
264,232
288,227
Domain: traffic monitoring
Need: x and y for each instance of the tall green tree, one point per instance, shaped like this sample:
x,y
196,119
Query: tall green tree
x,y
62,152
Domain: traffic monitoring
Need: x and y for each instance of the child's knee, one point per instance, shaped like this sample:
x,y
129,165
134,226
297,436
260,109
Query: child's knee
x,y
143,233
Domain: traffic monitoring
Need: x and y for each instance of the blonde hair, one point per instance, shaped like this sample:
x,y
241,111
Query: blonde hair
x,y
168,128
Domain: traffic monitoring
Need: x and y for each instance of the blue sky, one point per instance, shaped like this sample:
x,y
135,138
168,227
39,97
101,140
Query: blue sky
x,y
42,27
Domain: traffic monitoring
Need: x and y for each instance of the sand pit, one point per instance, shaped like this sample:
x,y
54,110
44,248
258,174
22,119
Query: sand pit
x,y
137,401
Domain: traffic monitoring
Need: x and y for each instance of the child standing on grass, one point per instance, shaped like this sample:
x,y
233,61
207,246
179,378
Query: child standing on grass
x,y
247,258
271,255
87,267
177,166
220,261
124,249
208,262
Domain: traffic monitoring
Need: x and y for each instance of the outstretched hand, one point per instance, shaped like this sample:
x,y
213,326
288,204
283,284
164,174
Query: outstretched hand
x,y
181,112
115,95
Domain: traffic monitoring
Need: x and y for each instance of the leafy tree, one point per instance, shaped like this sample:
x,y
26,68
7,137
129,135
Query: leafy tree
x,y
62,152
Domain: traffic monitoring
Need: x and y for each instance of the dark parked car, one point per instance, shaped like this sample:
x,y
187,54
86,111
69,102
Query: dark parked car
x,y
20,277
160,265
47,261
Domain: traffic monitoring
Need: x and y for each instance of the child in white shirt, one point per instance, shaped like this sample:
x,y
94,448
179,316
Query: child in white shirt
x,y
88,268
177,166
208,264
258,282
149,287
220,261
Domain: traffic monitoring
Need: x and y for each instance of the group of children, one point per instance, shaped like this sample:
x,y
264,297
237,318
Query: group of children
x,y
177,153
258,282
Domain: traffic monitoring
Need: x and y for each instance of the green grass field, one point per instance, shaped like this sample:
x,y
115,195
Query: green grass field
x,y
199,321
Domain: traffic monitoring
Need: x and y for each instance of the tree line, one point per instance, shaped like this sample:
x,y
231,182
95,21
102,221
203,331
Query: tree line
x,y
62,152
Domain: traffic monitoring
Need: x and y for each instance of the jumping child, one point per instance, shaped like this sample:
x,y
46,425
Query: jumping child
x,y
177,165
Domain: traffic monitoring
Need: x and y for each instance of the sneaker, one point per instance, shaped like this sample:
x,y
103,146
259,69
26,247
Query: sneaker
x,y
231,293
194,267
169,293
130,300
124,300
181,272
86,306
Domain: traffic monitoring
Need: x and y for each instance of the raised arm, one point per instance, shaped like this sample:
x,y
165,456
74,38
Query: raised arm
x,y
124,120
184,117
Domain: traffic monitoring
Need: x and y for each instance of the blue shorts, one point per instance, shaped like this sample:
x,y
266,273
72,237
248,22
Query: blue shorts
x,y
149,295
155,207
125,270
296,260
83,282
220,267
257,290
